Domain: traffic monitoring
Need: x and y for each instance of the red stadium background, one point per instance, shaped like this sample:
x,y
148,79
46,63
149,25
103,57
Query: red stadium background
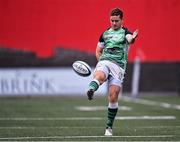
x,y
41,25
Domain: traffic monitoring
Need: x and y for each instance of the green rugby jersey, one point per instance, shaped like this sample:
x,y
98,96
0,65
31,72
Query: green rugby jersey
x,y
115,46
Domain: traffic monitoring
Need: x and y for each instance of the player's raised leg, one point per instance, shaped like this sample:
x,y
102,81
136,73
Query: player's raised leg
x,y
99,78
93,86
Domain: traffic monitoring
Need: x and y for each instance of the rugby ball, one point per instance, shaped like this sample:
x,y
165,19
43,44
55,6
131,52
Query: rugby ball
x,y
81,68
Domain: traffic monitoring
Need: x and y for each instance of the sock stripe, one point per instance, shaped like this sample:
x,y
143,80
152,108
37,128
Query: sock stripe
x,y
93,85
111,113
112,118
95,80
114,110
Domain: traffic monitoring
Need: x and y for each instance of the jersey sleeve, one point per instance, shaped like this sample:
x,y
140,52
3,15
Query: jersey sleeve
x,y
101,41
129,37
127,31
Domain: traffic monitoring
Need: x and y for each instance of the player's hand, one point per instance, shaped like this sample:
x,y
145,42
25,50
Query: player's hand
x,y
135,34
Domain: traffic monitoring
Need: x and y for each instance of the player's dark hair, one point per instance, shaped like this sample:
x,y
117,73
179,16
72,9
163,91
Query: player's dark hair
x,y
116,12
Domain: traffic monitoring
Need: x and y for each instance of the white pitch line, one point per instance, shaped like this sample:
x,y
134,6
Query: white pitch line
x,y
97,108
146,118
77,137
151,103
51,127
94,118
79,127
159,127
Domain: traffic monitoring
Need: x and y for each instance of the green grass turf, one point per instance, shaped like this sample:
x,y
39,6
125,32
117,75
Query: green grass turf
x,y
27,129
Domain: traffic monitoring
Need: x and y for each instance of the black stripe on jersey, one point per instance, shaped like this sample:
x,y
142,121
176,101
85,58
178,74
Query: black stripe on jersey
x,y
127,31
101,39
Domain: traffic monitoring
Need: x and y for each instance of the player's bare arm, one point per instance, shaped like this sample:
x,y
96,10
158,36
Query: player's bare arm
x,y
131,38
98,52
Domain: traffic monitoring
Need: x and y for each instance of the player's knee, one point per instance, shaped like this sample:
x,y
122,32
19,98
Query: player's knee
x,y
100,76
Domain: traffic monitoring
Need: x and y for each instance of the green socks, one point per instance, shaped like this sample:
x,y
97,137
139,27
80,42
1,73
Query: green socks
x,y
112,111
111,116
94,84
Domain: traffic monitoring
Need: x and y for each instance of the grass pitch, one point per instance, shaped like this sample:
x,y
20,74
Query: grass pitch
x,y
77,119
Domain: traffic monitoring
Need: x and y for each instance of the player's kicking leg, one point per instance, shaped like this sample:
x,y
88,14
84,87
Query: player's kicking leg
x,y
100,75
99,78
93,86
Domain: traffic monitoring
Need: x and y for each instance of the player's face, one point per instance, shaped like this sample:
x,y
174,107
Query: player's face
x,y
116,22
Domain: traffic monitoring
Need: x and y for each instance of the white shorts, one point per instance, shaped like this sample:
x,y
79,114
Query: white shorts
x,y
114,73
